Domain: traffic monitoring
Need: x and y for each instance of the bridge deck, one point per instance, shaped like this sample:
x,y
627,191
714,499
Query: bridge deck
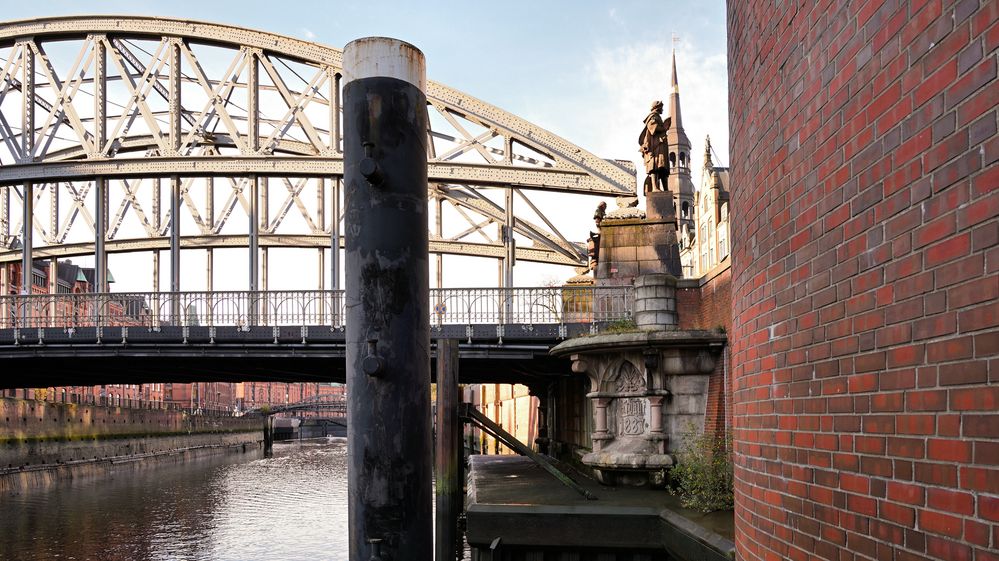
x,y
88,355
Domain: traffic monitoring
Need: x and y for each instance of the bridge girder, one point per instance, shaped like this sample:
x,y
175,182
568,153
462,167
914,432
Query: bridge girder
x,y
467,248
127,100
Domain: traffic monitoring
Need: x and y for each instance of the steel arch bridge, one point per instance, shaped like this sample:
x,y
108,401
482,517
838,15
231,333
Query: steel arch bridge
x,y
334,405
138,134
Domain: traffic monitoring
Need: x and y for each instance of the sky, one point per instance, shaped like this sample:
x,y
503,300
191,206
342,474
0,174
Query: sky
x,y
586,70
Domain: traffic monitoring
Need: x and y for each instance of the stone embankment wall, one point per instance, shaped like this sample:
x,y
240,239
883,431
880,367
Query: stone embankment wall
x,y
43,442
865,267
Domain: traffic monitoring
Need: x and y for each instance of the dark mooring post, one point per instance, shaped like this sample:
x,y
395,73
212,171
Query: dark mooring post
x,y
449,454
268,436
387,292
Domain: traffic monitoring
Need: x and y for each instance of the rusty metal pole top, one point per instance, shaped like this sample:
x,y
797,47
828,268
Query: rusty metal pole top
x,y
384,57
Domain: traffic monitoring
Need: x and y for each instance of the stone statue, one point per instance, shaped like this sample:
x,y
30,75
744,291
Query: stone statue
x,y
598,215
654,148
708,164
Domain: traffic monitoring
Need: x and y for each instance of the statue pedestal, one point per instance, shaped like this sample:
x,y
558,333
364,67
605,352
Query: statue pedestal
x,y
659,207
634,243
647,388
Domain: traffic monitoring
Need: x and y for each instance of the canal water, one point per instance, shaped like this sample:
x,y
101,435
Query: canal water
x,y
238,507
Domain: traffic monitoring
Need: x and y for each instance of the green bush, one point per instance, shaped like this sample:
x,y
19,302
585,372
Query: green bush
x,y
703,475
625,325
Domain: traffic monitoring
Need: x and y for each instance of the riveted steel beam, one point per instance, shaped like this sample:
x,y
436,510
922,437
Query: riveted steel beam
x,y
448,247
551,179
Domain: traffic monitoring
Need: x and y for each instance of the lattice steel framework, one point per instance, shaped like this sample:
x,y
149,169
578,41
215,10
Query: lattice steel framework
x,y
121,134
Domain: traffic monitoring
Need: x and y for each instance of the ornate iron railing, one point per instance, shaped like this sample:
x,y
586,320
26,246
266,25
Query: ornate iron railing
x,y
450,306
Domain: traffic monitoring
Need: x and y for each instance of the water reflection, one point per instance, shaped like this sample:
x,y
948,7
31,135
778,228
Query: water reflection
x,y
292,506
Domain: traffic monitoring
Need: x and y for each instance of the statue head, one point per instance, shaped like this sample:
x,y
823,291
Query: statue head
x,y
657,106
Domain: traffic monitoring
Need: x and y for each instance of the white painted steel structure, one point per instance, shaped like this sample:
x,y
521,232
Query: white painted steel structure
x,y
124,134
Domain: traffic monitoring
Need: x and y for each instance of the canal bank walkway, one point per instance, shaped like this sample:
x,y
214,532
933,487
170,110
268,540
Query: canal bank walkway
x,y
513,499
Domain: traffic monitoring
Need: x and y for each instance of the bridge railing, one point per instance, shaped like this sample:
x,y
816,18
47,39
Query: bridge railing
x,y
450,306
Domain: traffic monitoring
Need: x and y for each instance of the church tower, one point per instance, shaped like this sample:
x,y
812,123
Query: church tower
x,y
679,183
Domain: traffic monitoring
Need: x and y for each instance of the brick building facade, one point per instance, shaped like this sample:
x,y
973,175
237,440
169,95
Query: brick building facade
x,y
864,276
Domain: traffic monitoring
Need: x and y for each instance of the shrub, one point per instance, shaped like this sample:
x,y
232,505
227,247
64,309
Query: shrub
x,y
621,326
703,475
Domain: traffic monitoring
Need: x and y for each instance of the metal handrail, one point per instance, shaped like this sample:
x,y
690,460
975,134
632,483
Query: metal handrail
x,y
245,309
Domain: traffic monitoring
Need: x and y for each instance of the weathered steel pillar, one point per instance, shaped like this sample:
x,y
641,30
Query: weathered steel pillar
x,y
449,453
388,323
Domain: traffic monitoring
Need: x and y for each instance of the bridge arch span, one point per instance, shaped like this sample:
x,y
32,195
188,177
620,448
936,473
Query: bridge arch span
x,y
112,126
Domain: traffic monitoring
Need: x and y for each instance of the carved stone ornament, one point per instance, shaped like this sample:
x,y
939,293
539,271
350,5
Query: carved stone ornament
x,y
646,388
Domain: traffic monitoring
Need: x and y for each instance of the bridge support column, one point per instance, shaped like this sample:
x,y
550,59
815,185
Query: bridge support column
x,y
100,255
335,251
449,453
5,301
253,274
175,187
54,303
100,234
27,241
388,320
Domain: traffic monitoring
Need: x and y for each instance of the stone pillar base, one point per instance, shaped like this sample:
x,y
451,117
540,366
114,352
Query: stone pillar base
x,y
655,301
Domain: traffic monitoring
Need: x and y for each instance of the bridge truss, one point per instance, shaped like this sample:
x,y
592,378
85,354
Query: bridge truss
x,y
333,405
136,134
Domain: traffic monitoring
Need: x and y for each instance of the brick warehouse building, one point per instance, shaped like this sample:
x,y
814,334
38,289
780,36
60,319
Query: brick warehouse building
x,y
864,278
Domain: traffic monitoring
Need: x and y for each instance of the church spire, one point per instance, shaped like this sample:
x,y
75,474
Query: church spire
x,y
677,137
679,181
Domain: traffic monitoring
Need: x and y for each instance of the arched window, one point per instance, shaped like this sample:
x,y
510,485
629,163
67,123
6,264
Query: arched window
x,y
683,159
686,209
672,158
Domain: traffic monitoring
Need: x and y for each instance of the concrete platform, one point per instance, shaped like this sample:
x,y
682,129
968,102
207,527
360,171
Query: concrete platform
x,y
538,518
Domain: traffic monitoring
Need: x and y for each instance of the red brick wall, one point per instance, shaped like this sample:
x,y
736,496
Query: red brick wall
x,y
706,303
864,271
718,413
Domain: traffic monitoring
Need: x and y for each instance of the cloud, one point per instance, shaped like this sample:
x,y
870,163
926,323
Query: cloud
x,y
308,34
